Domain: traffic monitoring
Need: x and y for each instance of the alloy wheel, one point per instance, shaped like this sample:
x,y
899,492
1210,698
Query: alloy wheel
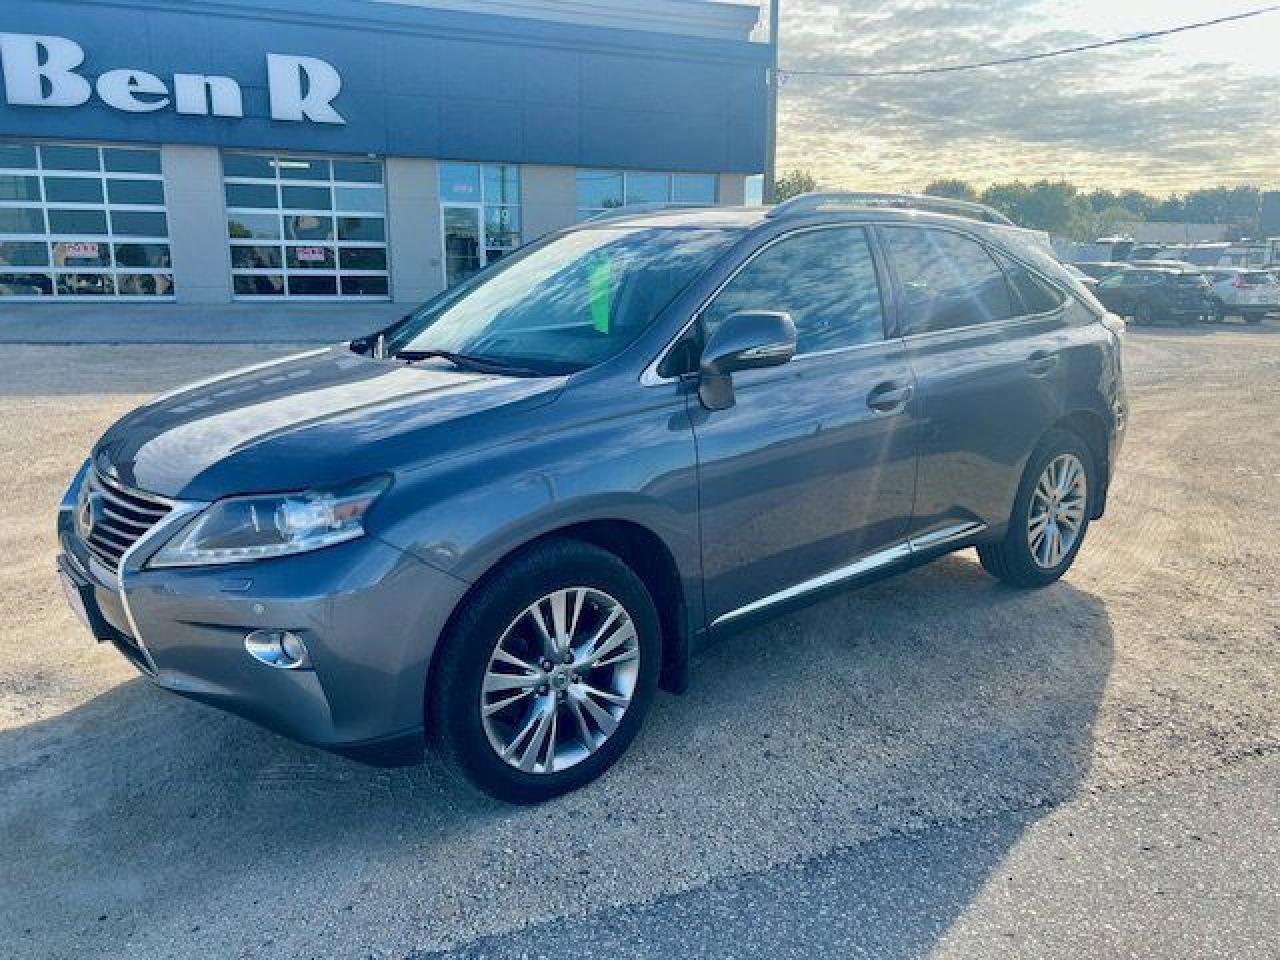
x,y
560,679
1057,512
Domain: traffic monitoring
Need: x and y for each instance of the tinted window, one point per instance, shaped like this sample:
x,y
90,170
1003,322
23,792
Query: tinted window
x,y
693,188
19,188
73,189
21,220
1032,293
131,161
135,191
251,195
948,280
460,181
826,280
78,221
133,223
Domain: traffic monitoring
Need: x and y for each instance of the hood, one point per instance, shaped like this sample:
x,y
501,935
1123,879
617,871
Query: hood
x,y
312,420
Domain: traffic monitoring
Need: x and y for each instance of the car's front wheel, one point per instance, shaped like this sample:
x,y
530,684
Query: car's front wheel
x,y
1050,515
545,676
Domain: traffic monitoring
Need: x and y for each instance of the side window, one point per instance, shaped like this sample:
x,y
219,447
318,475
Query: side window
x,y
1032,293
826,280
948,280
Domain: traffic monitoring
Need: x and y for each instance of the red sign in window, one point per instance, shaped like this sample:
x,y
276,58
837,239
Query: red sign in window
x,y
79,250
311,255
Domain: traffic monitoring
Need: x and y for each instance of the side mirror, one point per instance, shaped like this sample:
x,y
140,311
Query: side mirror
x,y
747,340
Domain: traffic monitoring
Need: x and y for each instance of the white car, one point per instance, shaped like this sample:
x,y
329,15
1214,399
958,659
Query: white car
x,y
1251,294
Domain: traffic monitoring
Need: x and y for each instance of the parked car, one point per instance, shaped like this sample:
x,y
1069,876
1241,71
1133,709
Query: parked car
x,y
1101,269
1151,295
503,521
1144,251
1158,264
1251,294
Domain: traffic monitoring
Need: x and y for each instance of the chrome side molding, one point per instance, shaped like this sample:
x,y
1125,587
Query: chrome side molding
x,y
861,567
937,538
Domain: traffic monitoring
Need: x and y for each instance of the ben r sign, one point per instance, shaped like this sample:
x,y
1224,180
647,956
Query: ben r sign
x,y
42,71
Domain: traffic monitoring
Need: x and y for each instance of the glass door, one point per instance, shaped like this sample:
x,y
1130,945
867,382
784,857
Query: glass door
x,y
463,249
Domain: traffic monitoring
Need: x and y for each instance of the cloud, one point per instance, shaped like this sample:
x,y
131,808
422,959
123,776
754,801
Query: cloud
x,y
1161,116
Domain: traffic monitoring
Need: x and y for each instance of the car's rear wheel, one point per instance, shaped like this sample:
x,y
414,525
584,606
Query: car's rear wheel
x,y
546,675
1050,515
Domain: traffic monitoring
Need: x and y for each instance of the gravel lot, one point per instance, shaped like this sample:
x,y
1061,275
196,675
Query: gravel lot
x,y
938,705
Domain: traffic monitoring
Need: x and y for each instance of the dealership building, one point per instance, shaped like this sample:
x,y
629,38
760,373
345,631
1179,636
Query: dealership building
x,y
208,151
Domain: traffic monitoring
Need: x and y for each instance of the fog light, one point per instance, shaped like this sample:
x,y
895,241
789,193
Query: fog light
x,y
278,648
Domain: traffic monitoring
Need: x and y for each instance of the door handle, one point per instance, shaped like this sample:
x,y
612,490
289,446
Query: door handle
x,y
889,397
1041,362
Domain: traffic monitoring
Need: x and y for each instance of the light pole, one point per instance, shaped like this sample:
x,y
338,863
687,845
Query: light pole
x,y
771,119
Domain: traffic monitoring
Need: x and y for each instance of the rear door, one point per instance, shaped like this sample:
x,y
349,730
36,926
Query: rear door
x,y
813,467
989,374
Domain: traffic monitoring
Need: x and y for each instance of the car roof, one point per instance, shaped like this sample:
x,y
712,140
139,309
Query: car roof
x,y
1156,264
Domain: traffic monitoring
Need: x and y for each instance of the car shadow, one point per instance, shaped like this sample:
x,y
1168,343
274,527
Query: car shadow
x,y
935,698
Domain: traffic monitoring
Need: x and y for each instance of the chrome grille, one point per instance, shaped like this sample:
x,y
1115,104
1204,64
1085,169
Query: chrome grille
x,y
121,516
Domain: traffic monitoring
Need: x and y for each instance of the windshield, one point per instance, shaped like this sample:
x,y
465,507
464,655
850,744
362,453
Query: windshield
x,y
569,304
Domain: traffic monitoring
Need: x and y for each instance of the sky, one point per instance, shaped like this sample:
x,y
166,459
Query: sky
x,y
1198,109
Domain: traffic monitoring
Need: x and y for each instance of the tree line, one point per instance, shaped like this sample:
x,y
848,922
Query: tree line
x,y
1064,209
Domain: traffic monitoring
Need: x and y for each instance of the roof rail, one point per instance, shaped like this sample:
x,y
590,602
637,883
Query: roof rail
x,y
632,209
823,201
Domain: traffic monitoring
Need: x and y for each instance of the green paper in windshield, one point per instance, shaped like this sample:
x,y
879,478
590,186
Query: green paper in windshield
x,y
600,284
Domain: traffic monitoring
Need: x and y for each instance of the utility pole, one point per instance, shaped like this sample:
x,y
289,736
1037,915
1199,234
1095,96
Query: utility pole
x,y
771,120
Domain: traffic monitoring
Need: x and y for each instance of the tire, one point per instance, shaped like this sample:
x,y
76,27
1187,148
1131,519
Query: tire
x,y
499,614
1012,559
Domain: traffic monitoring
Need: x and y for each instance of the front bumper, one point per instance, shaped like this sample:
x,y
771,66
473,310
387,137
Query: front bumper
x,y
369,613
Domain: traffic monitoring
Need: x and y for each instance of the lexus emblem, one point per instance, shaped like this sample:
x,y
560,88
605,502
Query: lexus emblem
x,y
87,515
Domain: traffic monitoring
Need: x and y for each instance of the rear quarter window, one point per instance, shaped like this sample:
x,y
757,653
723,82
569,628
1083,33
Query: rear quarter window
x,y
1032,293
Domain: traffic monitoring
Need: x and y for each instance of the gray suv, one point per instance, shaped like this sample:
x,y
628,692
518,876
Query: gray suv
x,y
502,523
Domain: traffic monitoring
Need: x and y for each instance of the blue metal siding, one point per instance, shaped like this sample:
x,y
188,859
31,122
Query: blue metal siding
x,y
420,82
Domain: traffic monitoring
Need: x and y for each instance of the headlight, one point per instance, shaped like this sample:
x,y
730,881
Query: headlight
x,y
240,529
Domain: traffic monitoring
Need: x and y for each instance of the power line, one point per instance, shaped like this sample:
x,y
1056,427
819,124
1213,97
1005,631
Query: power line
x,y
1030,57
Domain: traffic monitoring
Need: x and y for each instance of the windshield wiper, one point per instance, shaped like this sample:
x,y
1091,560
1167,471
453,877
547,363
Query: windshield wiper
x,y
468,362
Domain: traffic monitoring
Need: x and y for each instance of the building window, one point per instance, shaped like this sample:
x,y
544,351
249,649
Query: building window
x,y
306,226
82,220
603,190
481,214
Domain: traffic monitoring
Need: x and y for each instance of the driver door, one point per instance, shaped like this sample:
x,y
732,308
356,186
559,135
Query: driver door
x,y
813,468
